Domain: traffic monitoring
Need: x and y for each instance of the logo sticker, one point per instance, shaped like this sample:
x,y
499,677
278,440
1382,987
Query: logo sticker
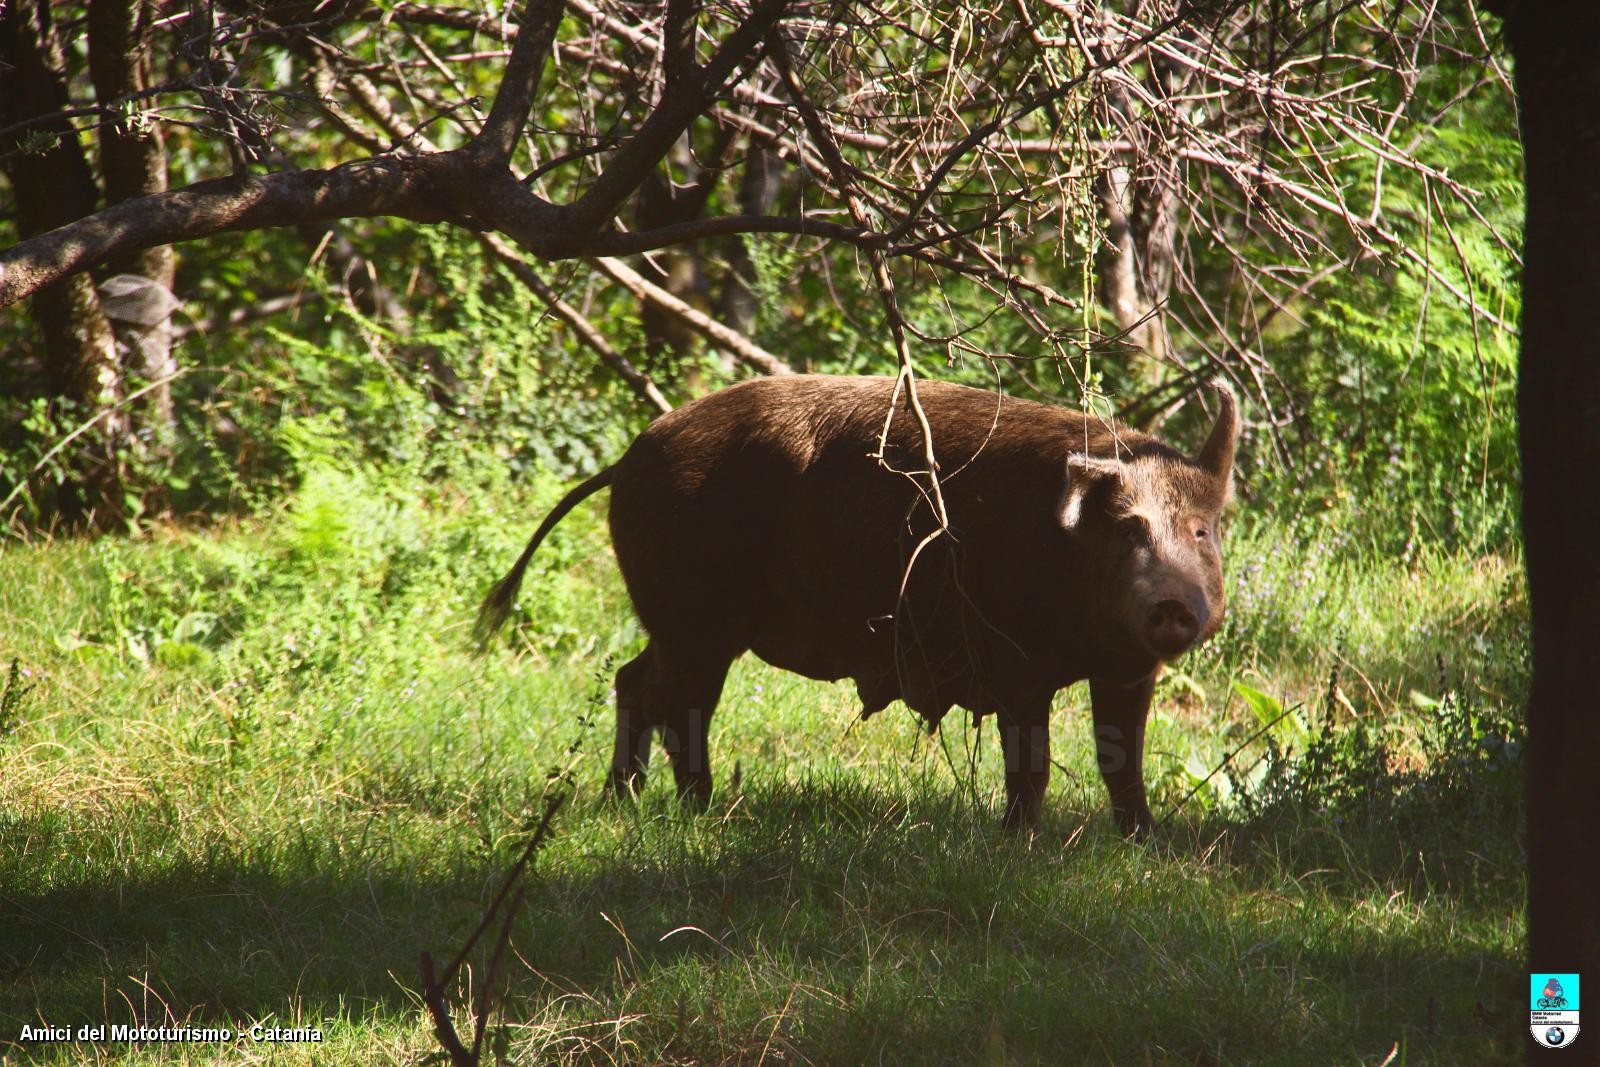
x,y
1553,1008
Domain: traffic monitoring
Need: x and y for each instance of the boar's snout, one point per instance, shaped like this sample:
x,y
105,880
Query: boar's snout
x,y
1174,624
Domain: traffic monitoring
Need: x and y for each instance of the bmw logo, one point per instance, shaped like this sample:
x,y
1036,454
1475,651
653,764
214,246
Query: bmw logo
x,y
1555,1035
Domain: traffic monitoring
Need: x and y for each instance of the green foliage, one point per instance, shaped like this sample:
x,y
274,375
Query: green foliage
x,y
12,695
480,387
1405,399
1465,769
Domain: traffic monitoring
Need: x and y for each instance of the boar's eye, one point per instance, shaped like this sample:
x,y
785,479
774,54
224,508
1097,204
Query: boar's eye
x,y
1201,533
1134,529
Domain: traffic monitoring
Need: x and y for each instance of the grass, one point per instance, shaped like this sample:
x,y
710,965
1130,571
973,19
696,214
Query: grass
x,y
247,774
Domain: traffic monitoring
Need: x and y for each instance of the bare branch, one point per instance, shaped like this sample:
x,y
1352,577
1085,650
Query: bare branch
x,y
637,380
735,343
677,40
1038,100
625,244
263,308
672,115
419,188
520,85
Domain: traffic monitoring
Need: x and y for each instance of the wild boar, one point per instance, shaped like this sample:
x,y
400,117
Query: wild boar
x,y
763,518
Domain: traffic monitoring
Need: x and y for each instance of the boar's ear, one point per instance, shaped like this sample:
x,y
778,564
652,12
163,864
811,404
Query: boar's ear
x,y
1084,472
1216,455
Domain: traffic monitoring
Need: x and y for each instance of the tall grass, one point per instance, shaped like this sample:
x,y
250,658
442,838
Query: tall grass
x,y
246,774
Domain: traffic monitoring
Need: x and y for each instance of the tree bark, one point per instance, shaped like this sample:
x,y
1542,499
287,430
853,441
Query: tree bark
x,y
133,163
52,185
1118,264
1135,264
660,203
1558,83
758,195
735,344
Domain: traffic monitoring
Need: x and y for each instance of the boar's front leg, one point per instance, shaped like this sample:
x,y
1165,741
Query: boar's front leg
x,y
1120,711
1025,743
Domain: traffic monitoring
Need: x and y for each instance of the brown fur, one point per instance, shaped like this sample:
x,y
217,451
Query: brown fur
x,y
758,518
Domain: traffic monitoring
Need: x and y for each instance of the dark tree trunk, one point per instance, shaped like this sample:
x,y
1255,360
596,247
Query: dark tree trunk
x,y
677,270
758,195
1134,267
52,185
1117,263
1558,82
133,162
1139,209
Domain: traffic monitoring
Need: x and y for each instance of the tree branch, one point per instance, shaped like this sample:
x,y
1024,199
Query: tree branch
x,y
1038,100
734,342
519,85
581,327
424,188
689,97
627,244
265,307
677,42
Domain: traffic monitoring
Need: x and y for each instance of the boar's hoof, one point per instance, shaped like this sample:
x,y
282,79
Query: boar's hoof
x,y
1021,817
1136,823
695,794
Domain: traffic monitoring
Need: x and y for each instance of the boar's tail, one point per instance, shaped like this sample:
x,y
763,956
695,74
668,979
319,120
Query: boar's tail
x,y
496,606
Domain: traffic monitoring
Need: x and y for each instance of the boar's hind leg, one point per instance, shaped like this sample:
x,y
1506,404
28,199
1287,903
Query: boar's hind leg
x,y
632,754
1119,716
675,693
1025,743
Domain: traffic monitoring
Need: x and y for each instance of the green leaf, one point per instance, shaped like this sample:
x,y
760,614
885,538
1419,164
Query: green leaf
x,y
195,627
181,654
1267,709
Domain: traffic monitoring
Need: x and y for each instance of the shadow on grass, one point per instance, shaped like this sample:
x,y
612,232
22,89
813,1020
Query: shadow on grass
x,y
829,920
